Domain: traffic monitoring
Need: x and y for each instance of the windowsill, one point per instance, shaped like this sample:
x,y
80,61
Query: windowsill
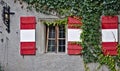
x,y
53,53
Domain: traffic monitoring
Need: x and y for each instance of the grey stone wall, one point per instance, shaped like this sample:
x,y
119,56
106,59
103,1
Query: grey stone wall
x,y
10,57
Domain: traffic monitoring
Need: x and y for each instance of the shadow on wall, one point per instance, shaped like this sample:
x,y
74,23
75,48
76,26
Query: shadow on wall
x,y
1,34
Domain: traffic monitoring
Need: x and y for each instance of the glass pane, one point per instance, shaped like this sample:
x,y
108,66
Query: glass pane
x,y
61,46
51,45
51,42
62,32
51,32
61,42
51,48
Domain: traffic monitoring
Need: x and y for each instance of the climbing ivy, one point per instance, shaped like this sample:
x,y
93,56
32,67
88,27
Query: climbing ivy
x,y
91,12
61,8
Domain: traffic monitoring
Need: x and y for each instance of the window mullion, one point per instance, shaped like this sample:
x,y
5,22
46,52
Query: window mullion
x,y
57,36
47,39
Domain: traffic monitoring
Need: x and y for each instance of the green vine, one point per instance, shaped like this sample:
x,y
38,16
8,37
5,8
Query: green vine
x,y
110,61
90,11
56,22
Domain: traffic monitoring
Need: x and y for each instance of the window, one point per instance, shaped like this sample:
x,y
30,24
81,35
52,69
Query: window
x,y
55,41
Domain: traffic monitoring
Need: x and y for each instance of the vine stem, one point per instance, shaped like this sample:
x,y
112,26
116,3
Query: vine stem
x,y
98,67
86,67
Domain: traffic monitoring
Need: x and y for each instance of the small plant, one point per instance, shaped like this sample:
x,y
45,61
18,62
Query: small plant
x,y
56,22
1,69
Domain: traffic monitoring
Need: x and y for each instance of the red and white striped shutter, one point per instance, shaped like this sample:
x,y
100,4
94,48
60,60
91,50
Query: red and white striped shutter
x,y
109,35
27,35
74,36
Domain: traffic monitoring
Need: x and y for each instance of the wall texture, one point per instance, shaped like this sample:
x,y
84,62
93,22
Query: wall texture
x,y
10,57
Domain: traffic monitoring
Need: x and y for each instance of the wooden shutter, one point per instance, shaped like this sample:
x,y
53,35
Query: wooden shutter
x,y
27,35
74,32
109,35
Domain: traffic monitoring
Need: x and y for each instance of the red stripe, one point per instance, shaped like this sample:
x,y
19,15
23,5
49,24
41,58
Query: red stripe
x,y
27,45
74,26
27,48
109,26
73,21
74,48
27,23
109,19
109,48
109,22
28,52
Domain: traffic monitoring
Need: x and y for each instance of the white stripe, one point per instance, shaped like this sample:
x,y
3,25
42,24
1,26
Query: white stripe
x,y
27,35
109,35
74,34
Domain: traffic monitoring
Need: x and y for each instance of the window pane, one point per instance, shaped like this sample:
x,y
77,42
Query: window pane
x,y
61,45
51,32
51,48
51,45
61,42
62,32
61,48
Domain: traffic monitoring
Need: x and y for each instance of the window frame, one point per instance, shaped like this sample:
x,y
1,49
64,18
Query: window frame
x,y
57,38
